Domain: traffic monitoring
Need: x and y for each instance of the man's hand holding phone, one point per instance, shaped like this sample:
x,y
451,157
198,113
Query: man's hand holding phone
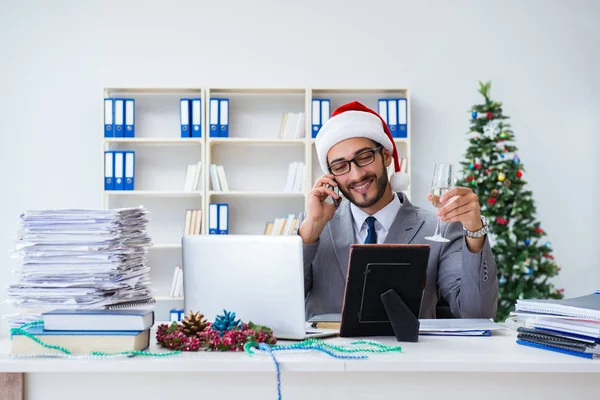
x,y
319,211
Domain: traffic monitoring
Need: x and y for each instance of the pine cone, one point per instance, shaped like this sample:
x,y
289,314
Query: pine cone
x,y
226,322
194,323
494,193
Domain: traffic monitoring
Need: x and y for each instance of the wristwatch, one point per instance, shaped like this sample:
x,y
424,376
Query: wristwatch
x,y
480,232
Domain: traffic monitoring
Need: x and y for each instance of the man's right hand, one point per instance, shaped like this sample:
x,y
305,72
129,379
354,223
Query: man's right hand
x,y
319,212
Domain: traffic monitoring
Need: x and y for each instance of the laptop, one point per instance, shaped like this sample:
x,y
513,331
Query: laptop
x,y
259,277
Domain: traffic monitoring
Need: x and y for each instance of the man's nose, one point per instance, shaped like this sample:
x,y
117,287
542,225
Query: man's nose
x,y
356,173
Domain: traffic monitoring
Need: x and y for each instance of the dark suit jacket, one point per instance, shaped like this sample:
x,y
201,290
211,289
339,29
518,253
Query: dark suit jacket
x,y
468,281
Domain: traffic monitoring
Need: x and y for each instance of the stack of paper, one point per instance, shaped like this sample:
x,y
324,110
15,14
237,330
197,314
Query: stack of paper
x,y
570,326
80,259
434,327
458,327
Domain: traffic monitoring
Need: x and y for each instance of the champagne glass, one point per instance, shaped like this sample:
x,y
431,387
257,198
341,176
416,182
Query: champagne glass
x,y
443,178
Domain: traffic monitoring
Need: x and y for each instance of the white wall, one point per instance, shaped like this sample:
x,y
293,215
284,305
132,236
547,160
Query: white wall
x,y
542,57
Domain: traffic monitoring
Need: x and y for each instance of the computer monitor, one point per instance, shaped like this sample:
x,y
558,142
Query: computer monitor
x,y
259,277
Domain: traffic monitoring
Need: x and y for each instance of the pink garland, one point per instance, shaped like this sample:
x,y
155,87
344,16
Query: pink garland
x,y
173,338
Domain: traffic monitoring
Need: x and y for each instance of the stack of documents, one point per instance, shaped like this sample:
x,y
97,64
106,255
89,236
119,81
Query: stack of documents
x,y
458,327
570,326
80,259
433,327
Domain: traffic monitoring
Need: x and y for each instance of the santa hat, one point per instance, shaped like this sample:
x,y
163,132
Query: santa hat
x,y
356,120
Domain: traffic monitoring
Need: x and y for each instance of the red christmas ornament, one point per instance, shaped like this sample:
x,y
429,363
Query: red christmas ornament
x,y
519,174
491,201
501,221
469,178
539,230
477,166
561,290
490,115
506,149
487,171
548,255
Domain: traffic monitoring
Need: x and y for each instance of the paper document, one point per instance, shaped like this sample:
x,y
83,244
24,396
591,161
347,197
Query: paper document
x,y
80,259
458,327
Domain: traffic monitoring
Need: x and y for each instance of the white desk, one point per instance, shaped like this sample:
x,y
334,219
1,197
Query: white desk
x,y
436,367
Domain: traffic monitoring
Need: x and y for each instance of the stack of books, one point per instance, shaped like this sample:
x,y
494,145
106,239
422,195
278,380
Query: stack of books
x,y
85,331
569,326
193,178
283,225
292,126
78,259
295,178
218,179
177,283
193,221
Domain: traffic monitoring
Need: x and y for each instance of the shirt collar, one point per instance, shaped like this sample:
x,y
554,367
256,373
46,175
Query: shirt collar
x,y
385,216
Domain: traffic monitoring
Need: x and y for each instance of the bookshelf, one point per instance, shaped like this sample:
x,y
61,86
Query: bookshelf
x,y
254,156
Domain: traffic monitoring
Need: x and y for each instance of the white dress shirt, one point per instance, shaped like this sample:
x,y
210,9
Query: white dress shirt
x,y
384,219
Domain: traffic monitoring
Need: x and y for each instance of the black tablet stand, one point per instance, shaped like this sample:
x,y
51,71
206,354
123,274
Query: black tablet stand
x,y
404,323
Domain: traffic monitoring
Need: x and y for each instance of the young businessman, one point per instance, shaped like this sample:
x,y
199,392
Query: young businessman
x,y
355,148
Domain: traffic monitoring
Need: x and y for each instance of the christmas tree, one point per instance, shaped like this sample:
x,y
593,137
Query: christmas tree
x,y
494,172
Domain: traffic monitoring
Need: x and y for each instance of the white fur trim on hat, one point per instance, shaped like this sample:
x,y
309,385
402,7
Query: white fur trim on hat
x,y
347,125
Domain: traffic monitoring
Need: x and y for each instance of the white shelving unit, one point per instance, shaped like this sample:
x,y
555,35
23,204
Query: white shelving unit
x,y
255,160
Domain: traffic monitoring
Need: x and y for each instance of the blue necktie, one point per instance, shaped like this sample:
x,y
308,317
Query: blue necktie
x,y
371,234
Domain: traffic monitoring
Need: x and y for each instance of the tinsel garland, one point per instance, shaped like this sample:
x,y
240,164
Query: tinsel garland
x,y
337,351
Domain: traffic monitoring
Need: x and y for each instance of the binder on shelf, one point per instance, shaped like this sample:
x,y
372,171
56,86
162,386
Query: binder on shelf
x,y
223,219
325,111
214,118
198,222
316,117
129,118
177,283
119,170
393,117
109,118
196,118
224,117
109,171
213,218
184,117
402,131
383,112
214,178
129,170
223,185
119,105
175,315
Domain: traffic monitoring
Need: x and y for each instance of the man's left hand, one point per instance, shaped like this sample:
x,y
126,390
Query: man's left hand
x,y
460,204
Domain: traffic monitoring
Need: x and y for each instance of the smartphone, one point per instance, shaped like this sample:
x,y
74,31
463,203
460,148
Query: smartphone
x,y
336,202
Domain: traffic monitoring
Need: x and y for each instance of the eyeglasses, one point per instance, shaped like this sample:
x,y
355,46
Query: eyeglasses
x,y
362,160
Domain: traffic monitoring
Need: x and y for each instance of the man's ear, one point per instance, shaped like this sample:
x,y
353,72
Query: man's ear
x,y
387,157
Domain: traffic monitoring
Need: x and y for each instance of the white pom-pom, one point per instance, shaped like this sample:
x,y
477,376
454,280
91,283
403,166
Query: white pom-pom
x,y
399,181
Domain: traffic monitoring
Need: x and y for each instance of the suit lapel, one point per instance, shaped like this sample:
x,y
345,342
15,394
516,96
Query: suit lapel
x,y
406,225
342,236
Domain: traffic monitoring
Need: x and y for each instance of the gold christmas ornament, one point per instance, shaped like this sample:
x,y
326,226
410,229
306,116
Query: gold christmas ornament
x,y
501,177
